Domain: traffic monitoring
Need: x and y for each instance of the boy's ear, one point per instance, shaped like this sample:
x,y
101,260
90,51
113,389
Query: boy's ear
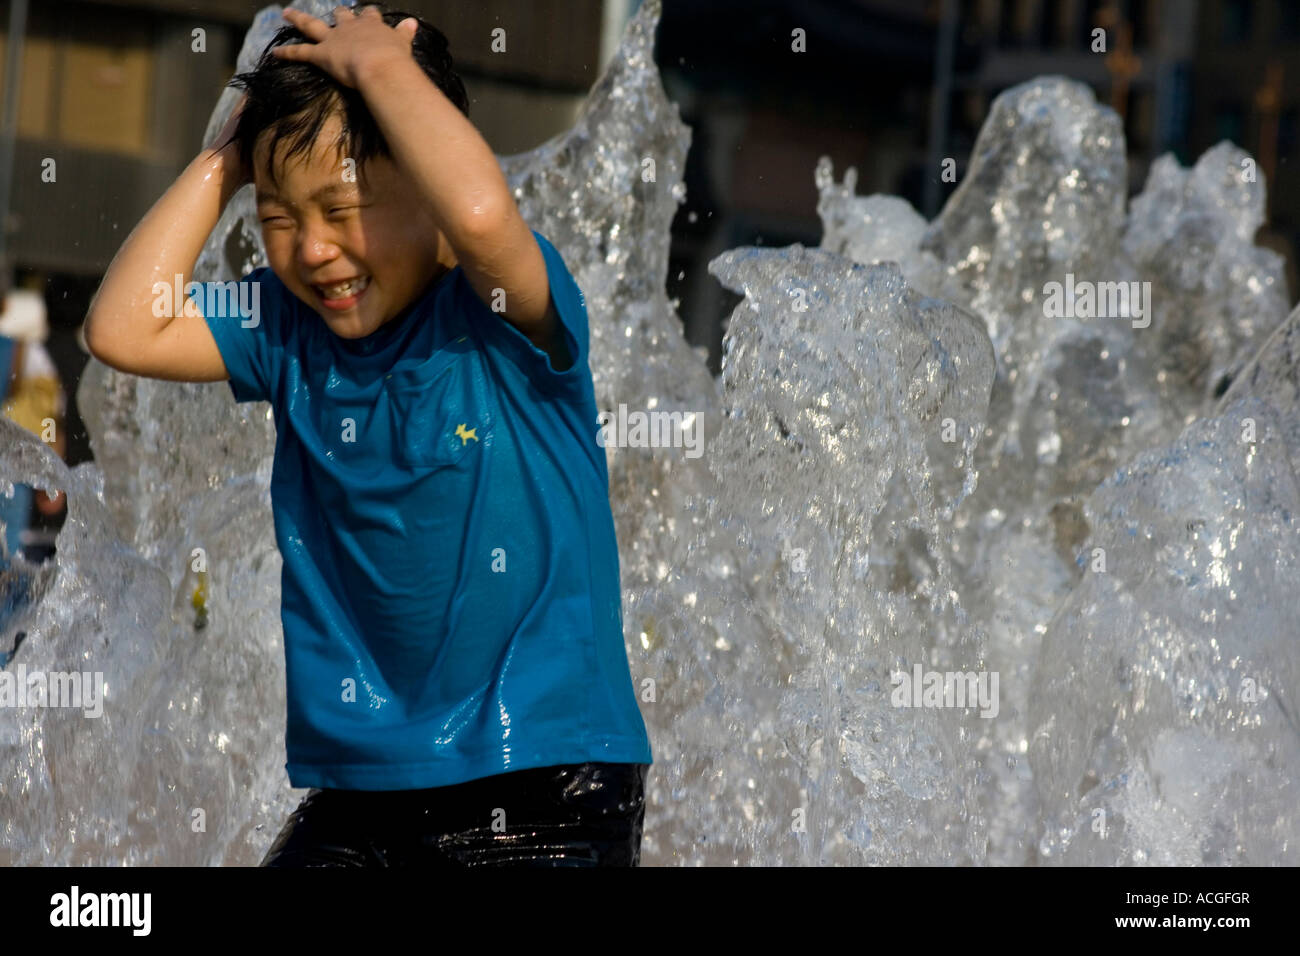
x,y
410,25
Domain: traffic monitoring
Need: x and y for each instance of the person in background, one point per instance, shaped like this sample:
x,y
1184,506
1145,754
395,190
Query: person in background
x,y
31,395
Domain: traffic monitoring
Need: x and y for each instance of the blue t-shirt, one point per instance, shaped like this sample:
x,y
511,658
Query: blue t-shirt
x,y
450,592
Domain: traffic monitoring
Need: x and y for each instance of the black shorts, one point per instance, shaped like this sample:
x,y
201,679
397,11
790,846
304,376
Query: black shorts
x,y
587,814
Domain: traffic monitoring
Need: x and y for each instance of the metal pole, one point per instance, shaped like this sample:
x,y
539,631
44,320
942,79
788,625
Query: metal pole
x,y
940,94
9,131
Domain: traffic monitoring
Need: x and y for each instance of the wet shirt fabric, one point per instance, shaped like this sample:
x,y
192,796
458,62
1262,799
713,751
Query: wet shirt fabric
x,y
450,592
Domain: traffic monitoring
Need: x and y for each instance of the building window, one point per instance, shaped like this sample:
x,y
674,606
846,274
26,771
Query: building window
x,y
1230,123
970,23
1288,21
1049,26
1139,17
1092,19
1286,133
1007,25
1235,20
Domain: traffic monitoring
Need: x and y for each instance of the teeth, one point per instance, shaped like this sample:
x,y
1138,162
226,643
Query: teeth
x,y
345,289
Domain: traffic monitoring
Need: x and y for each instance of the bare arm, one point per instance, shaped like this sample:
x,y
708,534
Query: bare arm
x,y
458,175
121,328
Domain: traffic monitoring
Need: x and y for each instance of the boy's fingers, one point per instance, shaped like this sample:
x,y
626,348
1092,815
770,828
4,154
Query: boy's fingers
x,y
293,51
307,25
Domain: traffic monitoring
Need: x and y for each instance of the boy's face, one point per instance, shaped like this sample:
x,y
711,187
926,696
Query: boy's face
x,y
356,252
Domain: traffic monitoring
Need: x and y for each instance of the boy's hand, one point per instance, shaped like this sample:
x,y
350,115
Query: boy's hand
x,y
353,47
235,175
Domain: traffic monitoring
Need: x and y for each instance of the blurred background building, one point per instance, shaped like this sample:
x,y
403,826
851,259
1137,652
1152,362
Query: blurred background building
x,y
117,93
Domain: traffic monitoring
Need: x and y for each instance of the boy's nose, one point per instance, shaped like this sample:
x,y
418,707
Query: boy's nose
x,y
316,250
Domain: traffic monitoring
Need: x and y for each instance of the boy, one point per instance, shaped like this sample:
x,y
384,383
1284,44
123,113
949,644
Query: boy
x,y
458,689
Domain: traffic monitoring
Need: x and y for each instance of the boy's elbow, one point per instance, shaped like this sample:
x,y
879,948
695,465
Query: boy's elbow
x,y
94,336
90,335
99,337
482,222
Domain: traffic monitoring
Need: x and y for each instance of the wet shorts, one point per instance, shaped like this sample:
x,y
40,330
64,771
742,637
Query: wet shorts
x,y
587,814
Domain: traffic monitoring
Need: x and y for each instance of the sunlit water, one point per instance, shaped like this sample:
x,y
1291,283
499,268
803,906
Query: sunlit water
x,y
910,460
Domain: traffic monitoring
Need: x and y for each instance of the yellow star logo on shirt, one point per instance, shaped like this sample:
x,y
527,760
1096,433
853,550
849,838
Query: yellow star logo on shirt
x,y
465,434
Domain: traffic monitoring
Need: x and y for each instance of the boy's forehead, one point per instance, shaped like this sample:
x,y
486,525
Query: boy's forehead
x,y
325,162
308,190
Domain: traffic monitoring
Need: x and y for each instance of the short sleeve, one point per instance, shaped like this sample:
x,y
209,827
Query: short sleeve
x,y
571,307
247,321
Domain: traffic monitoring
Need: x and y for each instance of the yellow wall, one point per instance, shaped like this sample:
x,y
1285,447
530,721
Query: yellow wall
x,y
84,94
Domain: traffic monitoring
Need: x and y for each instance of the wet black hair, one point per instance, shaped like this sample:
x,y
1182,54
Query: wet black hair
x,y
293,100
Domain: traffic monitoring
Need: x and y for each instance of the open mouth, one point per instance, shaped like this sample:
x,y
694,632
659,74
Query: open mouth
x,y
341,296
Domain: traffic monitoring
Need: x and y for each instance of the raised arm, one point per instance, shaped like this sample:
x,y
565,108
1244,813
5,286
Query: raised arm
x,y
452,166
122,329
